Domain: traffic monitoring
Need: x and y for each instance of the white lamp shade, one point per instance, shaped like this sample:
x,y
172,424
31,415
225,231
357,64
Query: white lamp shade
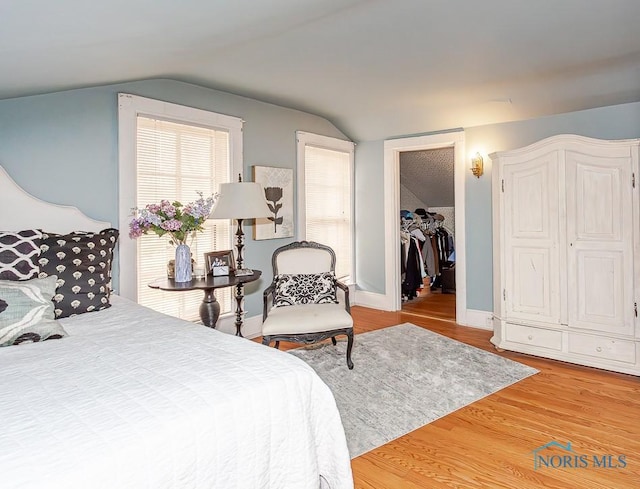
x,y
240,200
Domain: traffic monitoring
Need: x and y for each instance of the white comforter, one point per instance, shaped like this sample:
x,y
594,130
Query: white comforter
x,y
135,399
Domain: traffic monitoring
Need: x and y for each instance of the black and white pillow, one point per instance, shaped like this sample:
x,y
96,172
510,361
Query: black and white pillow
x,y
314,288
82,261
19,253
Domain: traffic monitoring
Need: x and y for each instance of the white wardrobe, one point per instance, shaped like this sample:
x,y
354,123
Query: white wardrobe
x,y
566,251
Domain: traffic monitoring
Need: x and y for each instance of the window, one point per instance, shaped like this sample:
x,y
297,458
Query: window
x,y
325,197
171,152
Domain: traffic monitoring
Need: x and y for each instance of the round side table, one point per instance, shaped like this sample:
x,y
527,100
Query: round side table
x,y
210,307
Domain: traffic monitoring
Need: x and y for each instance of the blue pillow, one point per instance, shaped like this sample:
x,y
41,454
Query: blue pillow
x,y
26,311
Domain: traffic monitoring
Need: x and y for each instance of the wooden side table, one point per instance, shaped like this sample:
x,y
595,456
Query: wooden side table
x,y
210,307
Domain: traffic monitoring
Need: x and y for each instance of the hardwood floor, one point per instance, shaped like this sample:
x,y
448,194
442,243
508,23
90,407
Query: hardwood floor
x,y
434,305
490,443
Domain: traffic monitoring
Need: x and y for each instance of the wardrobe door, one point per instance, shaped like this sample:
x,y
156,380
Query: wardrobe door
x,y
600,241
531,267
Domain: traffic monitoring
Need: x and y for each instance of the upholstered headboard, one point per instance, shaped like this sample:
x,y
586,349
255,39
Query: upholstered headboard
x,y
21,210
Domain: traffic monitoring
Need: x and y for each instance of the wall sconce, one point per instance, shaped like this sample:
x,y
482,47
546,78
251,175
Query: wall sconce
x,y
477,165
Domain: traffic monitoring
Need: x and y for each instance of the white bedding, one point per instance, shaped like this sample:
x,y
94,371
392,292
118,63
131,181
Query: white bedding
x,y
135,399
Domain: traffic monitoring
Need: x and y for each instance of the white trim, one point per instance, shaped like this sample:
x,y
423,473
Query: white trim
x,y
251,326
304,139
480,319
635,165
301,212
392,150
129,107
373,300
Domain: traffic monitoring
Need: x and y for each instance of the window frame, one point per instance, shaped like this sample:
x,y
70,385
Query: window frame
x,y
304,139
129,108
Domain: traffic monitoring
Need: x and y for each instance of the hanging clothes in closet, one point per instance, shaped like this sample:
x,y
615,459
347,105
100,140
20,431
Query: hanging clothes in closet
x,y
412,239
439,252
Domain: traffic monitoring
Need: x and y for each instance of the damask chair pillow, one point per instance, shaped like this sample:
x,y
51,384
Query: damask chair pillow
x,y
82,261
26,311
313,288
19,253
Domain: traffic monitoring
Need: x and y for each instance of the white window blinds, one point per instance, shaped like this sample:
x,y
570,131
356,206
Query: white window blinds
x,y
175,161
328,197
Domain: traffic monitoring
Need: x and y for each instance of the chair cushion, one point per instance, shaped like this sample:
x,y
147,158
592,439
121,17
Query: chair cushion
x,y
308,318
313,288
303,260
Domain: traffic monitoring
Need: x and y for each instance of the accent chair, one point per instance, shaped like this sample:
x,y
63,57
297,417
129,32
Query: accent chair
x,y
305,303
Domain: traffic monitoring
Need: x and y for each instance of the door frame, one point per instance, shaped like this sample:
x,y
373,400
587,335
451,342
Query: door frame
x,y
392,150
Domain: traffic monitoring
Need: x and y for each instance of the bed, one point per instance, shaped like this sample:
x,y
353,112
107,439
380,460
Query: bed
x,y
132,398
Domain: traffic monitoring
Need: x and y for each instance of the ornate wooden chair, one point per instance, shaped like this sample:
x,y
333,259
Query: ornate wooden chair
x,y
305,303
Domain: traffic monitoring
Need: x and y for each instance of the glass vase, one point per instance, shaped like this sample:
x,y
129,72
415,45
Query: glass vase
x,y
183,263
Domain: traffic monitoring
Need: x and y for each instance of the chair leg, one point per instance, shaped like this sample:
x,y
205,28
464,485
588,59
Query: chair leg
x,y
267,341
349,347
333,340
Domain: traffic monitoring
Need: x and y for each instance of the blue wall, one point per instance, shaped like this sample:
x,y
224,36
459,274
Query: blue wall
x,y
63,147
369,210
614,122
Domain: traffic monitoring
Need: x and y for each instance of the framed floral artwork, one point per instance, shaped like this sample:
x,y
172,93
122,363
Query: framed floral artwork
x,y
278,190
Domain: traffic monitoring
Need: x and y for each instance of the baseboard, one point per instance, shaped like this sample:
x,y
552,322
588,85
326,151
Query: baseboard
x,y
251,326
371,299
479,319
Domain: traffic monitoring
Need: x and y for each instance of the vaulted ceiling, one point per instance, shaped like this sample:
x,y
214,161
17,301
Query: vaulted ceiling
x,y
375,68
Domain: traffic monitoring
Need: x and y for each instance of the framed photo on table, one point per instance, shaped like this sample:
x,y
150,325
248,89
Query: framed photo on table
x,y
219,263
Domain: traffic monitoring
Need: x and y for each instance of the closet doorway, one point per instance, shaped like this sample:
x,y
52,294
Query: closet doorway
x,y
392,150
427,232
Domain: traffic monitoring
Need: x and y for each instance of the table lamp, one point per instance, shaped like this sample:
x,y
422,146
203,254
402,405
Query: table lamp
x,y
240,201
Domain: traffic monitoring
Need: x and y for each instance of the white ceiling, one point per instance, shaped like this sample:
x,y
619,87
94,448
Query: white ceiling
x,y
376,69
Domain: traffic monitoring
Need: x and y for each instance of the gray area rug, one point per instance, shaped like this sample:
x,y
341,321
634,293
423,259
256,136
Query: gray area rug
x,y
405,377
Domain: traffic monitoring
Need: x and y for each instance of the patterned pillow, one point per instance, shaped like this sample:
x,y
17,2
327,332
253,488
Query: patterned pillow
x,y
19,254
315,288
26,311
82,262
